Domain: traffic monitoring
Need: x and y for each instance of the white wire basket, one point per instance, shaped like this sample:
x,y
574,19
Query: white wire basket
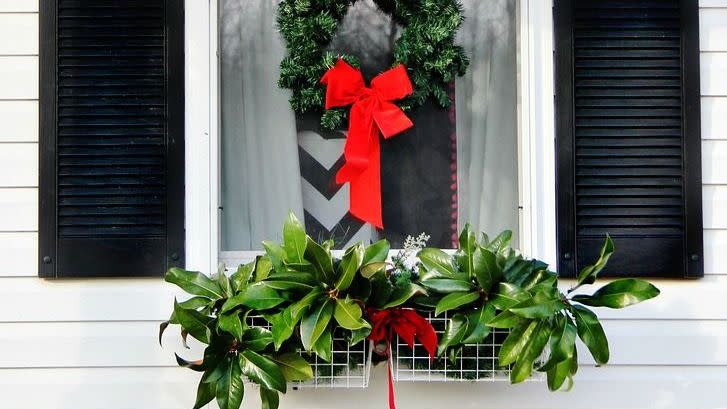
x,y
475,363
350,366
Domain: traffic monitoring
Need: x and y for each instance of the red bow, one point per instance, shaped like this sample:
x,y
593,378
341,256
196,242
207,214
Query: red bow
x,y
409,326
371,111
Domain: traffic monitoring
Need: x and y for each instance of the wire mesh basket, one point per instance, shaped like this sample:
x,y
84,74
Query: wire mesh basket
x,y
476,362
350,366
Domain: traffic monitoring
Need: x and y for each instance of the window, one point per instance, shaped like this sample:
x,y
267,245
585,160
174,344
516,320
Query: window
x,y
628,135
112,138
455,166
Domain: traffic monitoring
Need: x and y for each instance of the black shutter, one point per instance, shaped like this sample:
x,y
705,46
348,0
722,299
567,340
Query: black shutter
x,y
112,137
628,135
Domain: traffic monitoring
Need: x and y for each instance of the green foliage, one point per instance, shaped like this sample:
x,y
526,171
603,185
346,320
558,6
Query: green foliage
x,y
426,47
305,294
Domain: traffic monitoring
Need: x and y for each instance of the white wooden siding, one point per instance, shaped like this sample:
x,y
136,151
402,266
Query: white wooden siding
x,y
89,344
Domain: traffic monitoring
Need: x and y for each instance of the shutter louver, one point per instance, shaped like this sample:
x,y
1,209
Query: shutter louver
x,y
117,138
622,157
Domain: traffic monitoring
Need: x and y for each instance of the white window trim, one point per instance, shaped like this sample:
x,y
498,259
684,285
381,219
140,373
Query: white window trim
x,y
535,128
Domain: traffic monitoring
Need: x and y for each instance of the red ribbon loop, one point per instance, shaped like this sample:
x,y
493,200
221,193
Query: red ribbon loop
x,y
372,111
410,326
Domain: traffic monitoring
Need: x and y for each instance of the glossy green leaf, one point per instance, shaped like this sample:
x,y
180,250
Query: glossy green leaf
x,y
282,326
376,253
534,347
230,323
447,285
516,341
371,269
321,260
263,268
506,319
294,239
477,328
292,286
241,277
507,295
196,324
402,294
539,306
501,243
293,366
562,343
269,399
437,263
262,370
456,300
315,322
275,253
197,366
324,346
348,314
454,333
350,264
591,333
257,296
256,338
194,283
589,273
557,375
359,335
467,246
620,294
486,270
230,388
205,394
224,282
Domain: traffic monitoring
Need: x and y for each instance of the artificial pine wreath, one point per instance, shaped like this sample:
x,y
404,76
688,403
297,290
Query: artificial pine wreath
x,y
426,48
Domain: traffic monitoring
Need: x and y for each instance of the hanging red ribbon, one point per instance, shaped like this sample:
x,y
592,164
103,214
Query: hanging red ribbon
x,y
410,326
372,111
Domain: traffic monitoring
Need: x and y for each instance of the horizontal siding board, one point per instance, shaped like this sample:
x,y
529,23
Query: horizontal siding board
x,y
714,158
712,3
19,34
151,300
18,165
18,209
15,6
19,121
18,77
18,252
715,252
712,29
715,203
87,344
713,81
633,387
714,120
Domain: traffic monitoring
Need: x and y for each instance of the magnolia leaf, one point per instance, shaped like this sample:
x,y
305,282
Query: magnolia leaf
x,y
456,300
296,276
162,327
293,366
506,319
194,323
376,253
501,243
230,388
282,326
508,295
400,295
197,366
194,283
262,370
230,323
269,399
275,253
533,349
589,273
447,285
205,394
515,343
371,269
321,260
348,315
314,324
350,263
257,296
558,374
591,333
263,268
453,334
468,246
486,271
256,339
437,263
477,327
292,286
359,335
538,277
620,294
324,346
562,343
294,239
539,306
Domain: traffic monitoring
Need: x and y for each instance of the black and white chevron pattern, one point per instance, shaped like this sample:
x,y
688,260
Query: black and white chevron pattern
x,y
326,203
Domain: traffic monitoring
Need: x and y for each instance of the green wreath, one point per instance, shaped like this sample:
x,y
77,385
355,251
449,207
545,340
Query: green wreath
x,y
426,47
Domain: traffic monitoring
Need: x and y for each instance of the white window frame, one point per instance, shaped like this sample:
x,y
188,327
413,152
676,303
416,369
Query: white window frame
x,y
536,135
